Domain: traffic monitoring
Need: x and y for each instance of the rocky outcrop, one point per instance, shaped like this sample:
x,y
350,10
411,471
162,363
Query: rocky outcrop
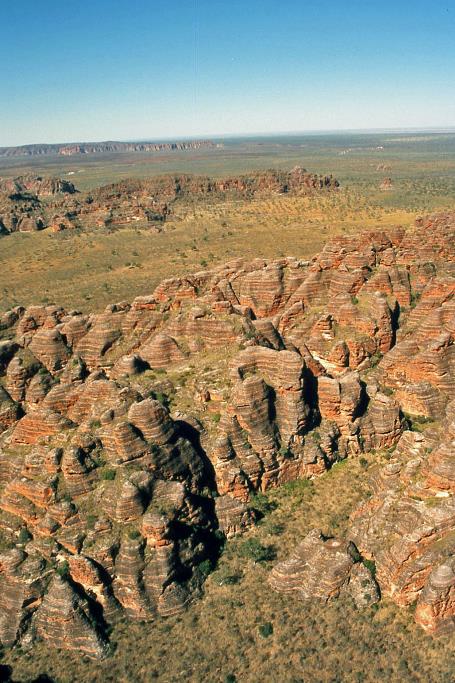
x,y
36,185
261,440
386,184
102,148
407,526
321,568
132,438
435,609
146,203
66,620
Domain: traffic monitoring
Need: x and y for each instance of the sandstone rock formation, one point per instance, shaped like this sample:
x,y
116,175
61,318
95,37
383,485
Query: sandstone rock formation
x,y
36,185
132,437
102,148
29,203
386,185
407,526
322,568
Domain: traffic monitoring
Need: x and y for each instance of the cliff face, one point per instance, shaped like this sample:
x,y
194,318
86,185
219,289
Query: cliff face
x,y
111,504
102,148
33,203
268,182
36,186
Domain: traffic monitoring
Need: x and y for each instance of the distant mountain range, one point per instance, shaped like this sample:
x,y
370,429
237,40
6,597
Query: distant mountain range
x,y
73,148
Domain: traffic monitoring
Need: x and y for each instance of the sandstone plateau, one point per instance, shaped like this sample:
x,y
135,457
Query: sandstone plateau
x,y
69,149
113,504
30,203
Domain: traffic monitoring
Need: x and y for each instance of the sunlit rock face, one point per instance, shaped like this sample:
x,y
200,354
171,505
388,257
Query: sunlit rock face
x,y
132,439
323,568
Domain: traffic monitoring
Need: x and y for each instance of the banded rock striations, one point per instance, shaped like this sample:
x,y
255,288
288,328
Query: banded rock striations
x,y
407,526
114,493
323,568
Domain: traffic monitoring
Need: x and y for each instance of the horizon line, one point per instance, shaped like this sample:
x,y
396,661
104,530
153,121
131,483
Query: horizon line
x,y
224,136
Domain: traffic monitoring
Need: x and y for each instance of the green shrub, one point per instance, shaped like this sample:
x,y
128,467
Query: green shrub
x,y
108,475
252,549
285,452
403,666
205,567
371,565
261,504
265,630
415,296
250,334
161,398
375,359
413,607
91,521
275,529
354,553
24,535
134,534
225,578
417,423
298,487
63,569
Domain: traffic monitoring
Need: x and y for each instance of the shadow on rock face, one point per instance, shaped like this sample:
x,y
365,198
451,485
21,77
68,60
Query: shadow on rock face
x,y
6,673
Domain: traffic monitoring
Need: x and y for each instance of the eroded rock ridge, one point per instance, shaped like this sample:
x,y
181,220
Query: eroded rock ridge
x,y
30,203
133,439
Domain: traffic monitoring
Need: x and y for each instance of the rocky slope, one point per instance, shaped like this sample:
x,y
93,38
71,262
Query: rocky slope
x,y
69,149
32,203
35,186
115,494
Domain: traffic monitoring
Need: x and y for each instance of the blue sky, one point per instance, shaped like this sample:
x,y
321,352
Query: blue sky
x,y
116,69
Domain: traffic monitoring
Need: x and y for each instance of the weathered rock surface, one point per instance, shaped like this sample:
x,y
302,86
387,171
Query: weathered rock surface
x,y
130,437
36,185
29,203
321,568
407,526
